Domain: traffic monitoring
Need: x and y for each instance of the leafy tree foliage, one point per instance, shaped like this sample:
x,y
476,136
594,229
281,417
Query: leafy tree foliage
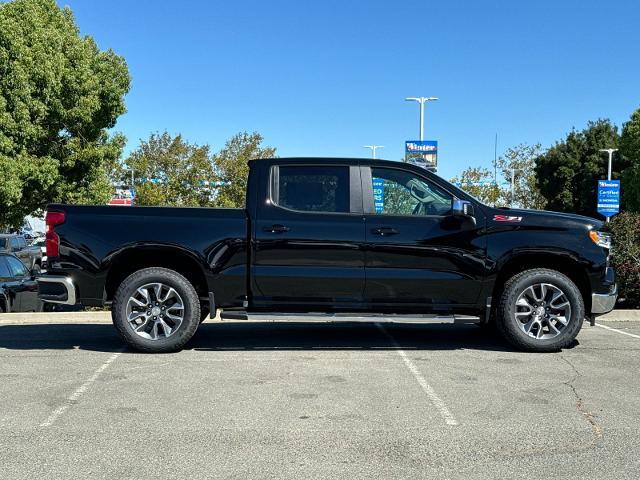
x,y
630,151
169,171
526,192
232,169
58,96
568,172
480,183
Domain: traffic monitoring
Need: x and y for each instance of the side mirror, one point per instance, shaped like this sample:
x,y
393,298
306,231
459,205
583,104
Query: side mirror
x,y
462,208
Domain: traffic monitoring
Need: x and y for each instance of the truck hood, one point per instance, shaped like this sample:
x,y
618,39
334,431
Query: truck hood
x,y
542,218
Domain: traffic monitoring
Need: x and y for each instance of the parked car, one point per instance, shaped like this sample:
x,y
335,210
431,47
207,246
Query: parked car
x,y
18,286
338,237
41,243
30,255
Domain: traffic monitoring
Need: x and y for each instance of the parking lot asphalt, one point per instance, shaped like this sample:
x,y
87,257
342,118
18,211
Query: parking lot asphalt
x,y
294,400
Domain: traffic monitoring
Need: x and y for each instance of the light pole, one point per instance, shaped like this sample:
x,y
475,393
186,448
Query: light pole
x,y
373,149
610,152
421,101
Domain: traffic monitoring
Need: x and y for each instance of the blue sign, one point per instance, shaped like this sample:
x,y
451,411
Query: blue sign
x,y
608,197
423,153
421,146
378,194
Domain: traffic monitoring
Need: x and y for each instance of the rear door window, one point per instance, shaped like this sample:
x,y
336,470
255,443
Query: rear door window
x,y
313,189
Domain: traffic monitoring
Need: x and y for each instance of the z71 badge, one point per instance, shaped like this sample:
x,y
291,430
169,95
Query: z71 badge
x,y
506,218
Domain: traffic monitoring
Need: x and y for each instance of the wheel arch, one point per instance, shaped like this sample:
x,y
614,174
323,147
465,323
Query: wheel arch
x,y
174,258
565,264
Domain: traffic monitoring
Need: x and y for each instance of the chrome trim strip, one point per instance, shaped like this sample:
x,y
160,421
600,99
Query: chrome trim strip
x,y
604,302
66,282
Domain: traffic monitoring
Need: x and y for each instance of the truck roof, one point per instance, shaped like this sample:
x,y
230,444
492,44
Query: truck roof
x,y
329,160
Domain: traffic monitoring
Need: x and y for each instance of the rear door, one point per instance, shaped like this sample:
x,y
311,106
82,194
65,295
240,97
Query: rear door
x,y
418,256
308,237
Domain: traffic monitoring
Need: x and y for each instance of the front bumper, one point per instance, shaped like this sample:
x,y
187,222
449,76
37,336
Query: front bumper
x,y
56,289
604,302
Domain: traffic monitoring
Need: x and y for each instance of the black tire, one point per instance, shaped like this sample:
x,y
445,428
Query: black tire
x,y
184,332
509,326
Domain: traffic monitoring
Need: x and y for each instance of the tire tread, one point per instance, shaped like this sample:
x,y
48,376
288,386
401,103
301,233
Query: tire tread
x,y
136,276
512,336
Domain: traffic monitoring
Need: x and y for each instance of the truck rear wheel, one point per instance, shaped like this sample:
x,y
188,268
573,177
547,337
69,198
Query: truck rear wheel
x,y
156,310
541,310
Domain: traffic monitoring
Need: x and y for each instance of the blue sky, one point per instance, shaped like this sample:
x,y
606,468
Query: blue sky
x,y
323,78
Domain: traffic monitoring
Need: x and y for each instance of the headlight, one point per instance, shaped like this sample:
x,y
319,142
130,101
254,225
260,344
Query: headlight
x,y
600,239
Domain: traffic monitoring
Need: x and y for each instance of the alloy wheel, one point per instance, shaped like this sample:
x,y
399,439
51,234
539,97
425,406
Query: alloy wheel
x,y
155,311
543,311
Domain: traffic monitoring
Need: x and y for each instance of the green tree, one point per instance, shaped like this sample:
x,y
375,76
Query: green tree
x,y
526,192
232,169
480,183
568,172
169,171
59,94
630,152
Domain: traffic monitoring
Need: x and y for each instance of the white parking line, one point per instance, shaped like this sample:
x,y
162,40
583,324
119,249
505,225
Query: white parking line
x,y
618,331
73,398
428,389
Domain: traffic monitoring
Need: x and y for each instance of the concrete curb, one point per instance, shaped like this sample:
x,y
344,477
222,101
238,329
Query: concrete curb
x,y
620,316
105,317
54,317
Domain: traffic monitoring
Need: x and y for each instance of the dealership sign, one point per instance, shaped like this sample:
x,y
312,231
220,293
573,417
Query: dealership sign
x,y
378,194
608,197
422,152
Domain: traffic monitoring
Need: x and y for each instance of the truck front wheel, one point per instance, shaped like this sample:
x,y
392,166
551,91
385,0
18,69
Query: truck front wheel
x,y
540,310
156,310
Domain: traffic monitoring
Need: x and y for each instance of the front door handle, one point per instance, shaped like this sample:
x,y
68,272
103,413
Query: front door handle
x,y
276,229
384,231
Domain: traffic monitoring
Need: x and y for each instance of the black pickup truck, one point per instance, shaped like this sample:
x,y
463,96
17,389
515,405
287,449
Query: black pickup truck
x,y
337,238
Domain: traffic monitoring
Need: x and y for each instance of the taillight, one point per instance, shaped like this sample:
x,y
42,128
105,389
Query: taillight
x,y
52,239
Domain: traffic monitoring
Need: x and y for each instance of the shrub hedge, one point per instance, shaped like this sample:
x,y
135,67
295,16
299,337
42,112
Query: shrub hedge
x,y
625,257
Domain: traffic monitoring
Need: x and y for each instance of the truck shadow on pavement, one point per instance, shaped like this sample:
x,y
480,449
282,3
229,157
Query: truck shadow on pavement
x,y
265,336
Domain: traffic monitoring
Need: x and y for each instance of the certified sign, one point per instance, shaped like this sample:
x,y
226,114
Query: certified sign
x,y
608,197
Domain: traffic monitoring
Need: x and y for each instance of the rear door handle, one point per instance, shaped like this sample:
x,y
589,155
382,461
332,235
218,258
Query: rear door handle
x,y
276,229
384,231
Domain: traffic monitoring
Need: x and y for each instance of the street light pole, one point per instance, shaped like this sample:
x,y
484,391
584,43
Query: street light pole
x,y
373,149
421,101
610,152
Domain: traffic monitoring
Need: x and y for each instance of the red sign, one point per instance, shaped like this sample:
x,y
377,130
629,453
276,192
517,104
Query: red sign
x,y
121,201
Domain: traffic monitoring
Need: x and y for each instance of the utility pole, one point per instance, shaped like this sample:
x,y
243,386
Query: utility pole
x,y
373,149
421,101
495,160
610,152
513,185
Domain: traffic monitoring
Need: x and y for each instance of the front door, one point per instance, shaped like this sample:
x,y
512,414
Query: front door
x,y
308,236
418,256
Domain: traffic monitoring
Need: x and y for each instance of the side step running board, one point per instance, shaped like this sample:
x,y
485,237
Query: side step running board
x,y
234,315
